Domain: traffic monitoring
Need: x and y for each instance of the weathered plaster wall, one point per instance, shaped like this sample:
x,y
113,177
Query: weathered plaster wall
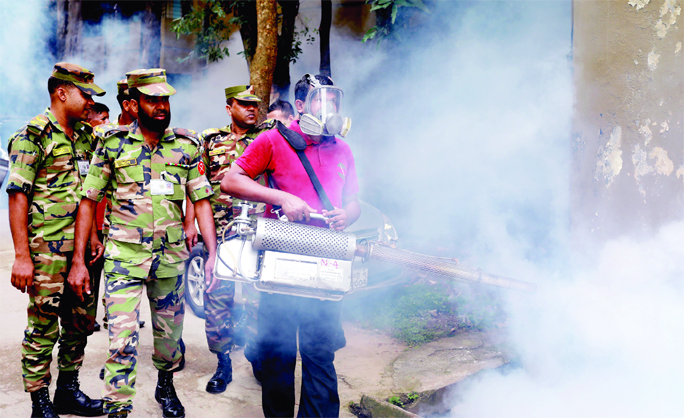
x,y
628,147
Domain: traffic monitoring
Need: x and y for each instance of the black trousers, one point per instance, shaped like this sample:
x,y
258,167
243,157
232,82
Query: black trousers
x,y
318,322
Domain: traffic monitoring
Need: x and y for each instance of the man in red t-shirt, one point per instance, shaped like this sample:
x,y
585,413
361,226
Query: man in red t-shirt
x,y
280,317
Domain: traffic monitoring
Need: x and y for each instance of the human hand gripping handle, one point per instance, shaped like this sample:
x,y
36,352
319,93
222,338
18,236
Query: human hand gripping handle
x,y
337,218
295,208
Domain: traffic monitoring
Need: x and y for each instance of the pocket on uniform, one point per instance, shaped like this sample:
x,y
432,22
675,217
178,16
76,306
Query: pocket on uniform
x,y
59,221
179,177
175,234
125,233
59,171
129,182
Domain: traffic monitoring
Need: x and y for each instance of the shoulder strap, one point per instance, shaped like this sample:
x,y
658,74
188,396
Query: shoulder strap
x,y
299,145
37,125
187,133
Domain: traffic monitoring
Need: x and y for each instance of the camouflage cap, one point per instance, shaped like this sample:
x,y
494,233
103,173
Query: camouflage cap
x,y
81,77
245,93
151,82
122,86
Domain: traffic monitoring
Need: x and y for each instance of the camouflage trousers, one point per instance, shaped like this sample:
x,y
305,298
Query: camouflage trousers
x,y
52,303
219,310
123,295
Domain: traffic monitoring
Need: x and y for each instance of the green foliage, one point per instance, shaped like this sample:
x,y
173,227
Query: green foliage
x,y
395,400
211,27
386,13
412,396
308,35
423,312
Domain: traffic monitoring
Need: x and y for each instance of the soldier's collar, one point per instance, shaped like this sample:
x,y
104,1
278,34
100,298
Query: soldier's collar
x,y
169,135
135,133
53,120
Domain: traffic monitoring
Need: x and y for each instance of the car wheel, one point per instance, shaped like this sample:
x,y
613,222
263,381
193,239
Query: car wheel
x,y
194,281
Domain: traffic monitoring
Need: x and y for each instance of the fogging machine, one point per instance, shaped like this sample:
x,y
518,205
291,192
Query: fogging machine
x,y
302,260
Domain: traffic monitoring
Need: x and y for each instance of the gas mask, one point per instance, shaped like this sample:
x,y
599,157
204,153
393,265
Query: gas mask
x,y
322,112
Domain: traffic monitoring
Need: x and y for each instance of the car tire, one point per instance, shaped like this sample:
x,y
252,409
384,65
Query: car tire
x,y
194,281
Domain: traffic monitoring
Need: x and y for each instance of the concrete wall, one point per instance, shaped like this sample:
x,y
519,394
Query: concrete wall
x,y
628,139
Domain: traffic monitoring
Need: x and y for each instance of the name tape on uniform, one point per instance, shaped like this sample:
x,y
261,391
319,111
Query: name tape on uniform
x,y
125,162
61,151
217,151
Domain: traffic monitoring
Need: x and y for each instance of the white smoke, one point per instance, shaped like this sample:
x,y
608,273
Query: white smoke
x,y
606,342
462,135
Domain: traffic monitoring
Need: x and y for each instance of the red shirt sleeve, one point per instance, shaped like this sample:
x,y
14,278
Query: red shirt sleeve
x,y
258,157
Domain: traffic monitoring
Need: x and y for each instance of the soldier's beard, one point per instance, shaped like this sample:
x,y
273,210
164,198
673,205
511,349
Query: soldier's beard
x,y
154,125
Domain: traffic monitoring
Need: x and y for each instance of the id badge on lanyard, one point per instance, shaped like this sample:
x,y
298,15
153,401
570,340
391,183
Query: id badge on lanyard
x,y
161,187
83,167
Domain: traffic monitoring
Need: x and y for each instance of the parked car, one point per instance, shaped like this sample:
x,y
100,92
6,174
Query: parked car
x,y
372,225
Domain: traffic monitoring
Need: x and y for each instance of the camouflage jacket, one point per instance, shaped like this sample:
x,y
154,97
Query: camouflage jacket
x,y
45,165
221,148
148,188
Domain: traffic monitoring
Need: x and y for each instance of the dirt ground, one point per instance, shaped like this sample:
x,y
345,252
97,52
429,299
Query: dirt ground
x,y
364,365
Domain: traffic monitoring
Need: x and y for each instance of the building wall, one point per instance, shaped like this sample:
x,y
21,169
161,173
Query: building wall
x,y
628,139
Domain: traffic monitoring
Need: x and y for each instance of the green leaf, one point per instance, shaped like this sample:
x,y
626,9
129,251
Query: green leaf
x,y
395,8
420,5
370,34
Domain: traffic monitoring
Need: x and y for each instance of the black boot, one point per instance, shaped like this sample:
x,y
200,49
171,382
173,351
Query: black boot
x,y
223,375
42,407
120,414
70,400
165,394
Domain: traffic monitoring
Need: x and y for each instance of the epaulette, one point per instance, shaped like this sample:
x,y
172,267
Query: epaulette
x,y
37,125
267,124
208,133
187,133
105,131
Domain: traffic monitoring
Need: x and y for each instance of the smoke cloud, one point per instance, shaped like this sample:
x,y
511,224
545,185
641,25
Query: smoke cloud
x,y
605,342
462,136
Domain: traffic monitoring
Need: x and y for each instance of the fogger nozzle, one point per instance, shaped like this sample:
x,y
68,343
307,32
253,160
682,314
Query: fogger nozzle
x,y
446,267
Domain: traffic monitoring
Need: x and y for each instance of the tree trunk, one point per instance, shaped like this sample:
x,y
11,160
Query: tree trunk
x,y
281,77
150,37
264,61
324,31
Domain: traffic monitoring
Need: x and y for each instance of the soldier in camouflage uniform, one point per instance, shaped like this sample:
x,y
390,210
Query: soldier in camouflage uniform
x,y
124,99
221,147
49,160
149,168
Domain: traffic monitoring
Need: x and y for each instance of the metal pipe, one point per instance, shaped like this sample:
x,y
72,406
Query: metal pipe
x,y
447,267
